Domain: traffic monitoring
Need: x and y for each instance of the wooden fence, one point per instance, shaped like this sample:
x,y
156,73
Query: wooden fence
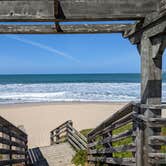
x,y
13,144
66,132
119,139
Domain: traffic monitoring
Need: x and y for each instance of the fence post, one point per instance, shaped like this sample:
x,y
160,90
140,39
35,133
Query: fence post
x,y
5,136
51,137
57,136
138,128
10,148
69,125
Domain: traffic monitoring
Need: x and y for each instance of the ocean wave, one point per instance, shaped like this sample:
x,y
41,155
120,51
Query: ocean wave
x,y
53,92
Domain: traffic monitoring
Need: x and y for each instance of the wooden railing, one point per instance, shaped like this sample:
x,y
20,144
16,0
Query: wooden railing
x,y
163,6
119,139
66,132
157,155
13,144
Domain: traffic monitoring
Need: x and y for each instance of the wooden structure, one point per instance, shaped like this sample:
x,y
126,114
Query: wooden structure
x,y
148,33
66,132
101,141
13,143
118,140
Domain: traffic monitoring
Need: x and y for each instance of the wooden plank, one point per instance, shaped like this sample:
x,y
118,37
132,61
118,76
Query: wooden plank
x,y
108,122
110,160
8,151
163,7
74,10
10,126
62,126
114,138
81,136
119,123
13,134
124,148
76,141
153,27
157,155
120,136
64,29
157,122
157,140
78,138
11,143
73,144
9,162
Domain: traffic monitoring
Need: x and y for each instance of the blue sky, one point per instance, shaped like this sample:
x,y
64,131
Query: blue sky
x,y
55,54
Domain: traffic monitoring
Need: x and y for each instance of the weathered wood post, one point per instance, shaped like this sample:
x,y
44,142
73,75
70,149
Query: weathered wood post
x,y
51,138
152,46
68,127
150,37
138,129
5,146
151,89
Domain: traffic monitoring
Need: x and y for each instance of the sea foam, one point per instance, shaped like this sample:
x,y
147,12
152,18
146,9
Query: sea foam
x,y
85,92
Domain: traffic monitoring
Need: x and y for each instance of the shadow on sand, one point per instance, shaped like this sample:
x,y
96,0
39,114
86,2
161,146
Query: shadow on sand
x,y
36,157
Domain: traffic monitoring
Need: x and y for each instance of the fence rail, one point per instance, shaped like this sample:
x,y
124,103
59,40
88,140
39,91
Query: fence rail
x,y
66,132
119,139
163,6
13,144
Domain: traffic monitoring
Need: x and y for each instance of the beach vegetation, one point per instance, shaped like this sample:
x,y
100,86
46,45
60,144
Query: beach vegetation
x,y
85,132
80,158
163,148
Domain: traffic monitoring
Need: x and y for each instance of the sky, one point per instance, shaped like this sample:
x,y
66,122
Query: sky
x,y
69,54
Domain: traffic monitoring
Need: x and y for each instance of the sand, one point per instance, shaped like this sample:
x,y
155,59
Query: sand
x,y
40,119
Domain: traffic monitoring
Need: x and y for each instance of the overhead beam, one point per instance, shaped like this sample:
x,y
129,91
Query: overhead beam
x,y
75,10
154,27
64,29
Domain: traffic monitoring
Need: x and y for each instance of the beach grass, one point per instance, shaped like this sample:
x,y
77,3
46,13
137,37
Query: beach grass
x,y
122,142
163,148
85,132
80,157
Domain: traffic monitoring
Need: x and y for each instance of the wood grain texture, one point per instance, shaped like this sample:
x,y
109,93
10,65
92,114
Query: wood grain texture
x,y
64,29
75,10
14,144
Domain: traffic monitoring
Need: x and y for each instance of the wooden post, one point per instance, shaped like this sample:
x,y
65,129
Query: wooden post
x,y
69,125
4,146
151,88
51,138
138,128
57,136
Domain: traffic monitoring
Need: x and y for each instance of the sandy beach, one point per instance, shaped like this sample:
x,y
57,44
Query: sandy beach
x,y
40,119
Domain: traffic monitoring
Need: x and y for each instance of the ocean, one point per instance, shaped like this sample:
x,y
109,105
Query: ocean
x,y
71,88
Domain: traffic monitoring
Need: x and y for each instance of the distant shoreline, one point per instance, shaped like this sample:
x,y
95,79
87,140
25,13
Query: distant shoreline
x,y
61,102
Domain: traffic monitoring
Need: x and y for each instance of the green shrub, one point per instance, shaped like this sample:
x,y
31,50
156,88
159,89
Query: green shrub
x,y
80,158
163,148
85,132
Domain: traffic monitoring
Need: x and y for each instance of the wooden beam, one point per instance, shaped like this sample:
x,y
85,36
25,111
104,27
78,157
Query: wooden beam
x,y
63,29
75,10
158,45
151,89
153,27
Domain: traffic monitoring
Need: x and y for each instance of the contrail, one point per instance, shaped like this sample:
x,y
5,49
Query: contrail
x,y
44,47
